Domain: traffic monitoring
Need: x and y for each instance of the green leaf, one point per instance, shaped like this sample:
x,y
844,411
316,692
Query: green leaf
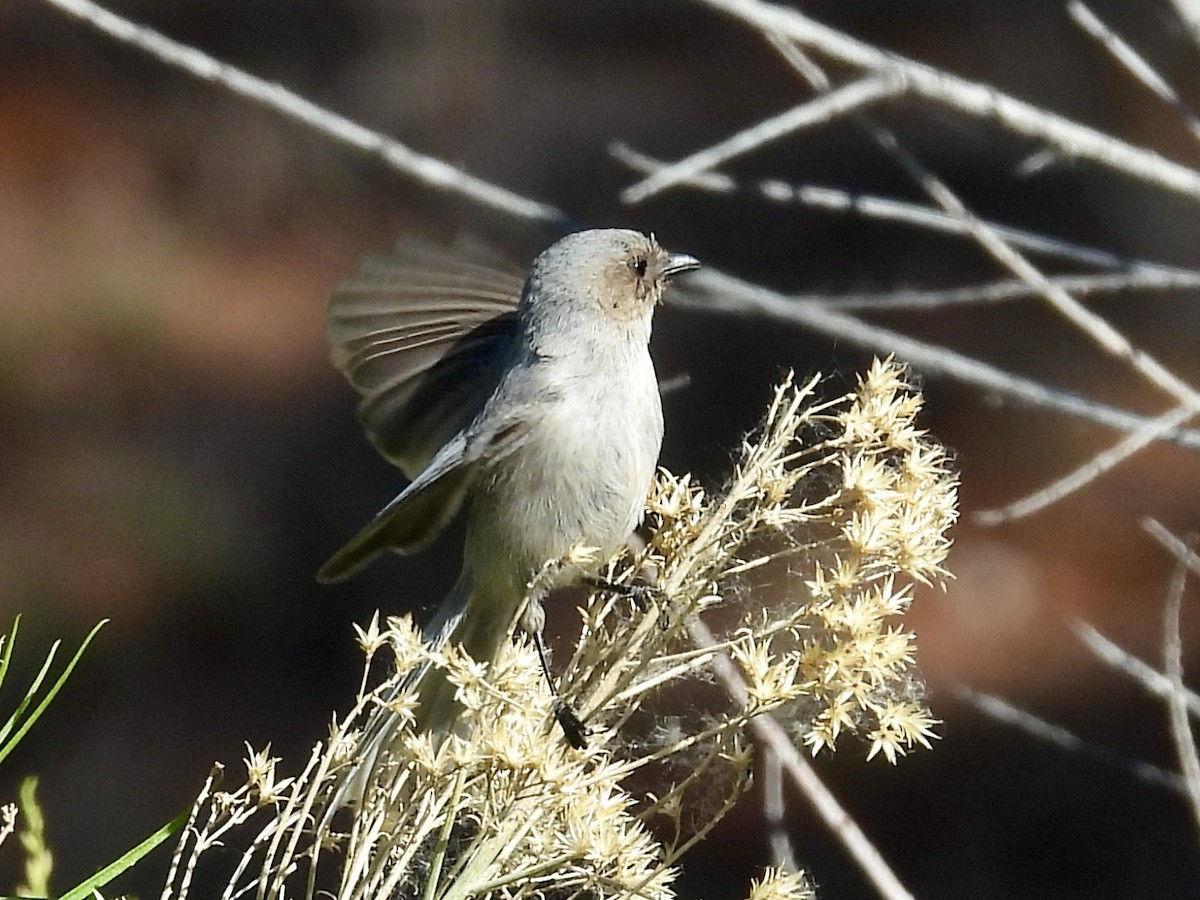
x,y
12,742
83,890
6,645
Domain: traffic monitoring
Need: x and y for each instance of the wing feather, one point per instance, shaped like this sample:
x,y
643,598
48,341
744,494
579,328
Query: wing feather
x,y
422,335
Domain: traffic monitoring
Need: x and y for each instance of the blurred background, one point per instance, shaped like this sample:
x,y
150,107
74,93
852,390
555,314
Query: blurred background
x,y
177,454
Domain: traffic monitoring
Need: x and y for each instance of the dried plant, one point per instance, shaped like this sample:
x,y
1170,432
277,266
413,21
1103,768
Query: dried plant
x,y
779,885
8,820
836,502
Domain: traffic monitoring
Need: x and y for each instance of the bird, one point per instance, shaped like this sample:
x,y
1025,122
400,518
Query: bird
x,y
530,404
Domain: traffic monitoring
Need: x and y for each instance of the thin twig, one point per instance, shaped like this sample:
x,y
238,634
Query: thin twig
x,y
1102,462
1002,711
1151,680
835,817
1002,292
783,855
1134,63
426,169
1189,14
1174,545
1181,729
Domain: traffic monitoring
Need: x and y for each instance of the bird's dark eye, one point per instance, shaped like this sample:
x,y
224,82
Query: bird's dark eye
x,y
639,266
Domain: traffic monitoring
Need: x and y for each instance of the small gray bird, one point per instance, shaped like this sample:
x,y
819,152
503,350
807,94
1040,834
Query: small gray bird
x,y
535,407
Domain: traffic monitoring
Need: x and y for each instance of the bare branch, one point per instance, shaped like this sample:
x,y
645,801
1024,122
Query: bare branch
x,y
1004,291
1089,471
1152,681
1181,551
1189,14
1104,335
928,358
1133,62
426,169
1006,713
1181,730
1095,327
783,856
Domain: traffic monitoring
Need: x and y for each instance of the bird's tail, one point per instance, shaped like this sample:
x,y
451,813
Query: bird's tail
x,y
437,710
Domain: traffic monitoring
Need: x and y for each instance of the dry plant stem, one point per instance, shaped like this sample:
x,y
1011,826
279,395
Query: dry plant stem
x,y
783,856
426,169
188,829
1002,711
1178,697
439,853
820,110
1068,138
1134,63
836,819
8,821
1151,680
318,763
1181,731
197,835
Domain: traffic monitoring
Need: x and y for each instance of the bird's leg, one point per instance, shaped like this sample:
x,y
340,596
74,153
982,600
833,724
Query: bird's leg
x,y
640,595
533,618
573,728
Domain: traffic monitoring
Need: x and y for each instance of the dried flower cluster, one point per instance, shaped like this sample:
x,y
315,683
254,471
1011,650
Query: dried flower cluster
x,y
795,567
778,885
8,820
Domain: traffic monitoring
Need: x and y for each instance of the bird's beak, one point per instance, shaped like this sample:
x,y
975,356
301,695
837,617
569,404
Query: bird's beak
x,y
678,263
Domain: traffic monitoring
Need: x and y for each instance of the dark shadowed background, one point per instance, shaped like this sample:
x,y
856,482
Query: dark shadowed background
x,y
177,455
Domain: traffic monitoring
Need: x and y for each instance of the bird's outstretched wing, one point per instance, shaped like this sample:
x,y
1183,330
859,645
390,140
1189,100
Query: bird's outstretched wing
x,y
422,335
